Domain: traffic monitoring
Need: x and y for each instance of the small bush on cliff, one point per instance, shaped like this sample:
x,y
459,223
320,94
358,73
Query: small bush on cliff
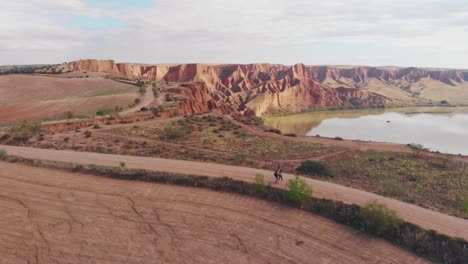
x,y
310,167
3,153
298,190
25,131
379,218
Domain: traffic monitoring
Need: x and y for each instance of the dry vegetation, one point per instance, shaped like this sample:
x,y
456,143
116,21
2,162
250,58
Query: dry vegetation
x,y
435,183
32,97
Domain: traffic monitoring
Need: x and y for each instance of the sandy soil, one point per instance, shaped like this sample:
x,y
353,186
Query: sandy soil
x,y
32,97
57,108
425,218
56,217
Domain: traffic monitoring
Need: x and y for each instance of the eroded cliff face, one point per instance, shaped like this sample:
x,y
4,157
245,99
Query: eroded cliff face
x,y
251,89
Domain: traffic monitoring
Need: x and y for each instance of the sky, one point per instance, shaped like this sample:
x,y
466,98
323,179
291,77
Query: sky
x,y
421,33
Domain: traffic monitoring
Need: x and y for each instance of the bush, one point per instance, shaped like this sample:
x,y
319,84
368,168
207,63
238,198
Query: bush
x,y
69,115
259,184
416,149
122,165
144,109
379,218
310,167
338,138
88,134
258,121
464,206
239,157
3,153
25,131
273,130
176,131
298,190
137,101
102,112
96,126
290,135
392,187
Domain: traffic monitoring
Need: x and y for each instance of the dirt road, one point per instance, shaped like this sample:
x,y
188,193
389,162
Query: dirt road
x,y
51,216
428,219
146,102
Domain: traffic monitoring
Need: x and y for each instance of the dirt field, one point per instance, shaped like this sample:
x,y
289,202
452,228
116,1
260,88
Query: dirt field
x,y
55,217
428,219
41,97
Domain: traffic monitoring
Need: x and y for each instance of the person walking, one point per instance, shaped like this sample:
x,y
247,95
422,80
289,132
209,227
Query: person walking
x,y
278,175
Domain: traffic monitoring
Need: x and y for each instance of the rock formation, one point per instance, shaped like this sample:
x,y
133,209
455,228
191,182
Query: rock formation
x,y
256,89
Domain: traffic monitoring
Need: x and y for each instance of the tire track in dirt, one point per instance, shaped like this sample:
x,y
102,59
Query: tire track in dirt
x,y
192,225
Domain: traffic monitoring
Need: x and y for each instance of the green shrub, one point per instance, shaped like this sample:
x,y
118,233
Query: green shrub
x,y
137,101
464,205
122,165
298,190
3,153
392,187
176,131
273,130
25,131
310,167
96,126
379,218
239,157
290,135
144,109
258,121
102,112
259,184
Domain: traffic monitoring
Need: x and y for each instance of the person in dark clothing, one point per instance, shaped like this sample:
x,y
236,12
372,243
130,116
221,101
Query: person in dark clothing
x,y
278,175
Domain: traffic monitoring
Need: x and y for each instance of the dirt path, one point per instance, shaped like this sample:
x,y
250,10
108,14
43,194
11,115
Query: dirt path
x,y
52,216
425,218
146,102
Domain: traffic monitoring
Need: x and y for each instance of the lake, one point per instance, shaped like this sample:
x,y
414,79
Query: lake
x,y
443,129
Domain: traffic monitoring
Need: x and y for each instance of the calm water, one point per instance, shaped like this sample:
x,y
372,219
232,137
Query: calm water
x,y
436,128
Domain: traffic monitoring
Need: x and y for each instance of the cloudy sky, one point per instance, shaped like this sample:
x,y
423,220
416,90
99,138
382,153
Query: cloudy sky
x,y
430,33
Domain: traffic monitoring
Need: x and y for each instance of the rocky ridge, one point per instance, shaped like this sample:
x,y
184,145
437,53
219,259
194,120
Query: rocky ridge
x,y
256,89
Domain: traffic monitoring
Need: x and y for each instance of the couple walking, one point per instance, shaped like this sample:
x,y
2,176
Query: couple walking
x,y
278,175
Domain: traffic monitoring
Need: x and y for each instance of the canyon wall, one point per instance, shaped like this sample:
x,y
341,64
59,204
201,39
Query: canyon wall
x,y
256,89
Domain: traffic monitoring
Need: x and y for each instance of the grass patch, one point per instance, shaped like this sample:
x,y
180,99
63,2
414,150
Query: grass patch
x,y
259,184
392,187
108,92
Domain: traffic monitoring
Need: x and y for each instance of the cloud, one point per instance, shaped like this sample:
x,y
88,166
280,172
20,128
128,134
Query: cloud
x,y
387,32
